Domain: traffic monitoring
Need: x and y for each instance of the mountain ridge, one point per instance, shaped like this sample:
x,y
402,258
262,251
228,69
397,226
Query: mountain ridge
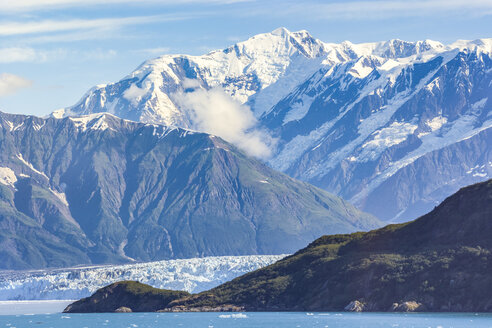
x,y
100,189
345,117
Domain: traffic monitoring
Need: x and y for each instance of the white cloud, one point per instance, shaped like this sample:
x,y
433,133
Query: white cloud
x,y
75,36
16,54
33,5
10,84
97,54
154,51
25,54
134,94
215,112
377,9
46,26
190,84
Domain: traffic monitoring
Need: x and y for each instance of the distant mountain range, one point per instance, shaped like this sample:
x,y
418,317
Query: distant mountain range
x,y
100,189
439,262
393,127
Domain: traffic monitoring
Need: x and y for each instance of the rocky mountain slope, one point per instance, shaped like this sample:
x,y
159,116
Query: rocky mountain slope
x,y
392,129
100,189
439,262
376,123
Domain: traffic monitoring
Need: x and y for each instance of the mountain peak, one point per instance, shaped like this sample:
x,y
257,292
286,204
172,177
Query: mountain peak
x,y
480,45
281,41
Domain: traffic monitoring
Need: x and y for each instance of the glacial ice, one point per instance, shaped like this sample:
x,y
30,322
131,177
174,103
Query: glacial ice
x,y
193,275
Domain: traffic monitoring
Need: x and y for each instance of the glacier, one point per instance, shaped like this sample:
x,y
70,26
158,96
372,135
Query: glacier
x,y
193,275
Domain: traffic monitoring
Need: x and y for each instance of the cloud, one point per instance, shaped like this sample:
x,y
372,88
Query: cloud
x,y
95,54
154,51
10,84
190,84
378,9
215,112
46,26
134,94
75,36
26,54
15,54
34,5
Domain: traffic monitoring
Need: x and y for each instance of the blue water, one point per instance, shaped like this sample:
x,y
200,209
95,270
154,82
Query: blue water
x,y
250,320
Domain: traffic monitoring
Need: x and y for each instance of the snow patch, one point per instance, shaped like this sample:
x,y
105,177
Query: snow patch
x,y
38,127
93,122
29,165
360,69
435,84
101,125
16,127
479,171
479,104
384,138
10,125
59,113
299,109
61,196
436,123
460,130
7,176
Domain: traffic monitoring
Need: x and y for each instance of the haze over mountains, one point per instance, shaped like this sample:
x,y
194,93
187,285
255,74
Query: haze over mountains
x,y
100,189
394,127
438,263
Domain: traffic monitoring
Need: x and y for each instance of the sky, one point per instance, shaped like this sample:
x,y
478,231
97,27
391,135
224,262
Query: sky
x,y
53,51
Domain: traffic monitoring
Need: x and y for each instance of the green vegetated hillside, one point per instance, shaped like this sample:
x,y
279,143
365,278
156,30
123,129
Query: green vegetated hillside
x,y
99,189
439,262
118,297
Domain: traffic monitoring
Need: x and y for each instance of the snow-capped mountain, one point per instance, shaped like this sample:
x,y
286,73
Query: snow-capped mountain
x,y
98,189
259,71
192,275
393,126
394,132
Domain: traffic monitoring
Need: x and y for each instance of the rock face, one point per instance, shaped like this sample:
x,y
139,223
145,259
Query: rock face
x,y
99,189
411,306
381,124
355,306
439,262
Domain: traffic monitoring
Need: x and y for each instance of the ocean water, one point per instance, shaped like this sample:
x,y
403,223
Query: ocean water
x,y
250,320
32,307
